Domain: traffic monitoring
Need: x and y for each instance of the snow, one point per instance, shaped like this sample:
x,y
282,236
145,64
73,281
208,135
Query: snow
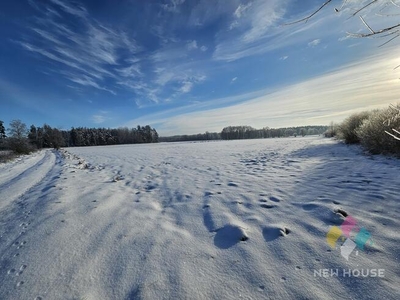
x,y
212,220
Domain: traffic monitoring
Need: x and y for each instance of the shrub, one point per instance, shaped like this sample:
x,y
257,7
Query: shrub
x,y
347,129
331,131
20,146
6,155
372,132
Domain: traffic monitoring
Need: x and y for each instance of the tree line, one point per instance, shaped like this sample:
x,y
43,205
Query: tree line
x,y
247,132
24,140
207,136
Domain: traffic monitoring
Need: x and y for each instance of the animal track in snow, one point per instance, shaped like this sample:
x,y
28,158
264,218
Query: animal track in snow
x,y
229,235
310,206
341,212
274,199
11,271
267,206
272,233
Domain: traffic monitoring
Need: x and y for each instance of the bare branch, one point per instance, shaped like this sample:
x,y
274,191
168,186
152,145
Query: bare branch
x,y
387,15
310,16
365,23
395,4
388,34
365,6
373,32
392,135
388,41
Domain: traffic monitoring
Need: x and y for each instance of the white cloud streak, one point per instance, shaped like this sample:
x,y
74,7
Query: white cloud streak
x,y
89,51
314,43
191,45
317,101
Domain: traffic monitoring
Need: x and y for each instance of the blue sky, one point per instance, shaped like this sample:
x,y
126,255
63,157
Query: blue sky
x,y
185,66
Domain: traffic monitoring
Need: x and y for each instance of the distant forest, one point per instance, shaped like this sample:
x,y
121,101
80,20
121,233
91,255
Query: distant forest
x,y
24,140
247,132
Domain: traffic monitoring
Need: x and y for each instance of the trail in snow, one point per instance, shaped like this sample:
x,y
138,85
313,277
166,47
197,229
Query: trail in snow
x,y
218,220
18,177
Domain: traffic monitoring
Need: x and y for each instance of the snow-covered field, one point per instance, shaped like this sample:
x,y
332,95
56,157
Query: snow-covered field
x,y
214,220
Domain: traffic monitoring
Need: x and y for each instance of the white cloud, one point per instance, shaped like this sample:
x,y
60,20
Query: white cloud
x,y
256,34
98,119
173,5
205,12
87,52
241,9
314,43
234,79
188,83
131,71
186,87
191,45
284,57
77,10
87,81
254,24
203,48
233,25
317,101
260,24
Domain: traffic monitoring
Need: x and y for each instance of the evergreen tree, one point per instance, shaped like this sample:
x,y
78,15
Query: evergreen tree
x,y
32,136
2,131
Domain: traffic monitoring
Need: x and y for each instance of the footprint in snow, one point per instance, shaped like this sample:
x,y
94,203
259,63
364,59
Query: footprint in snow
x,y
233,184
341,212
274,199
272,233
11,271
267,206
310,206
229,235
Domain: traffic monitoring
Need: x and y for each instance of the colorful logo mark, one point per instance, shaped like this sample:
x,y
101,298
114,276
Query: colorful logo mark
x,y
359,239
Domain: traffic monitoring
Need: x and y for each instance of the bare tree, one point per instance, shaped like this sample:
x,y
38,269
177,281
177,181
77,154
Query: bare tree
x,y
18,141
383,8
18,129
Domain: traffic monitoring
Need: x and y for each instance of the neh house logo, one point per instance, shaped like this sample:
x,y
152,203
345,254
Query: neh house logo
x,y
351,235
